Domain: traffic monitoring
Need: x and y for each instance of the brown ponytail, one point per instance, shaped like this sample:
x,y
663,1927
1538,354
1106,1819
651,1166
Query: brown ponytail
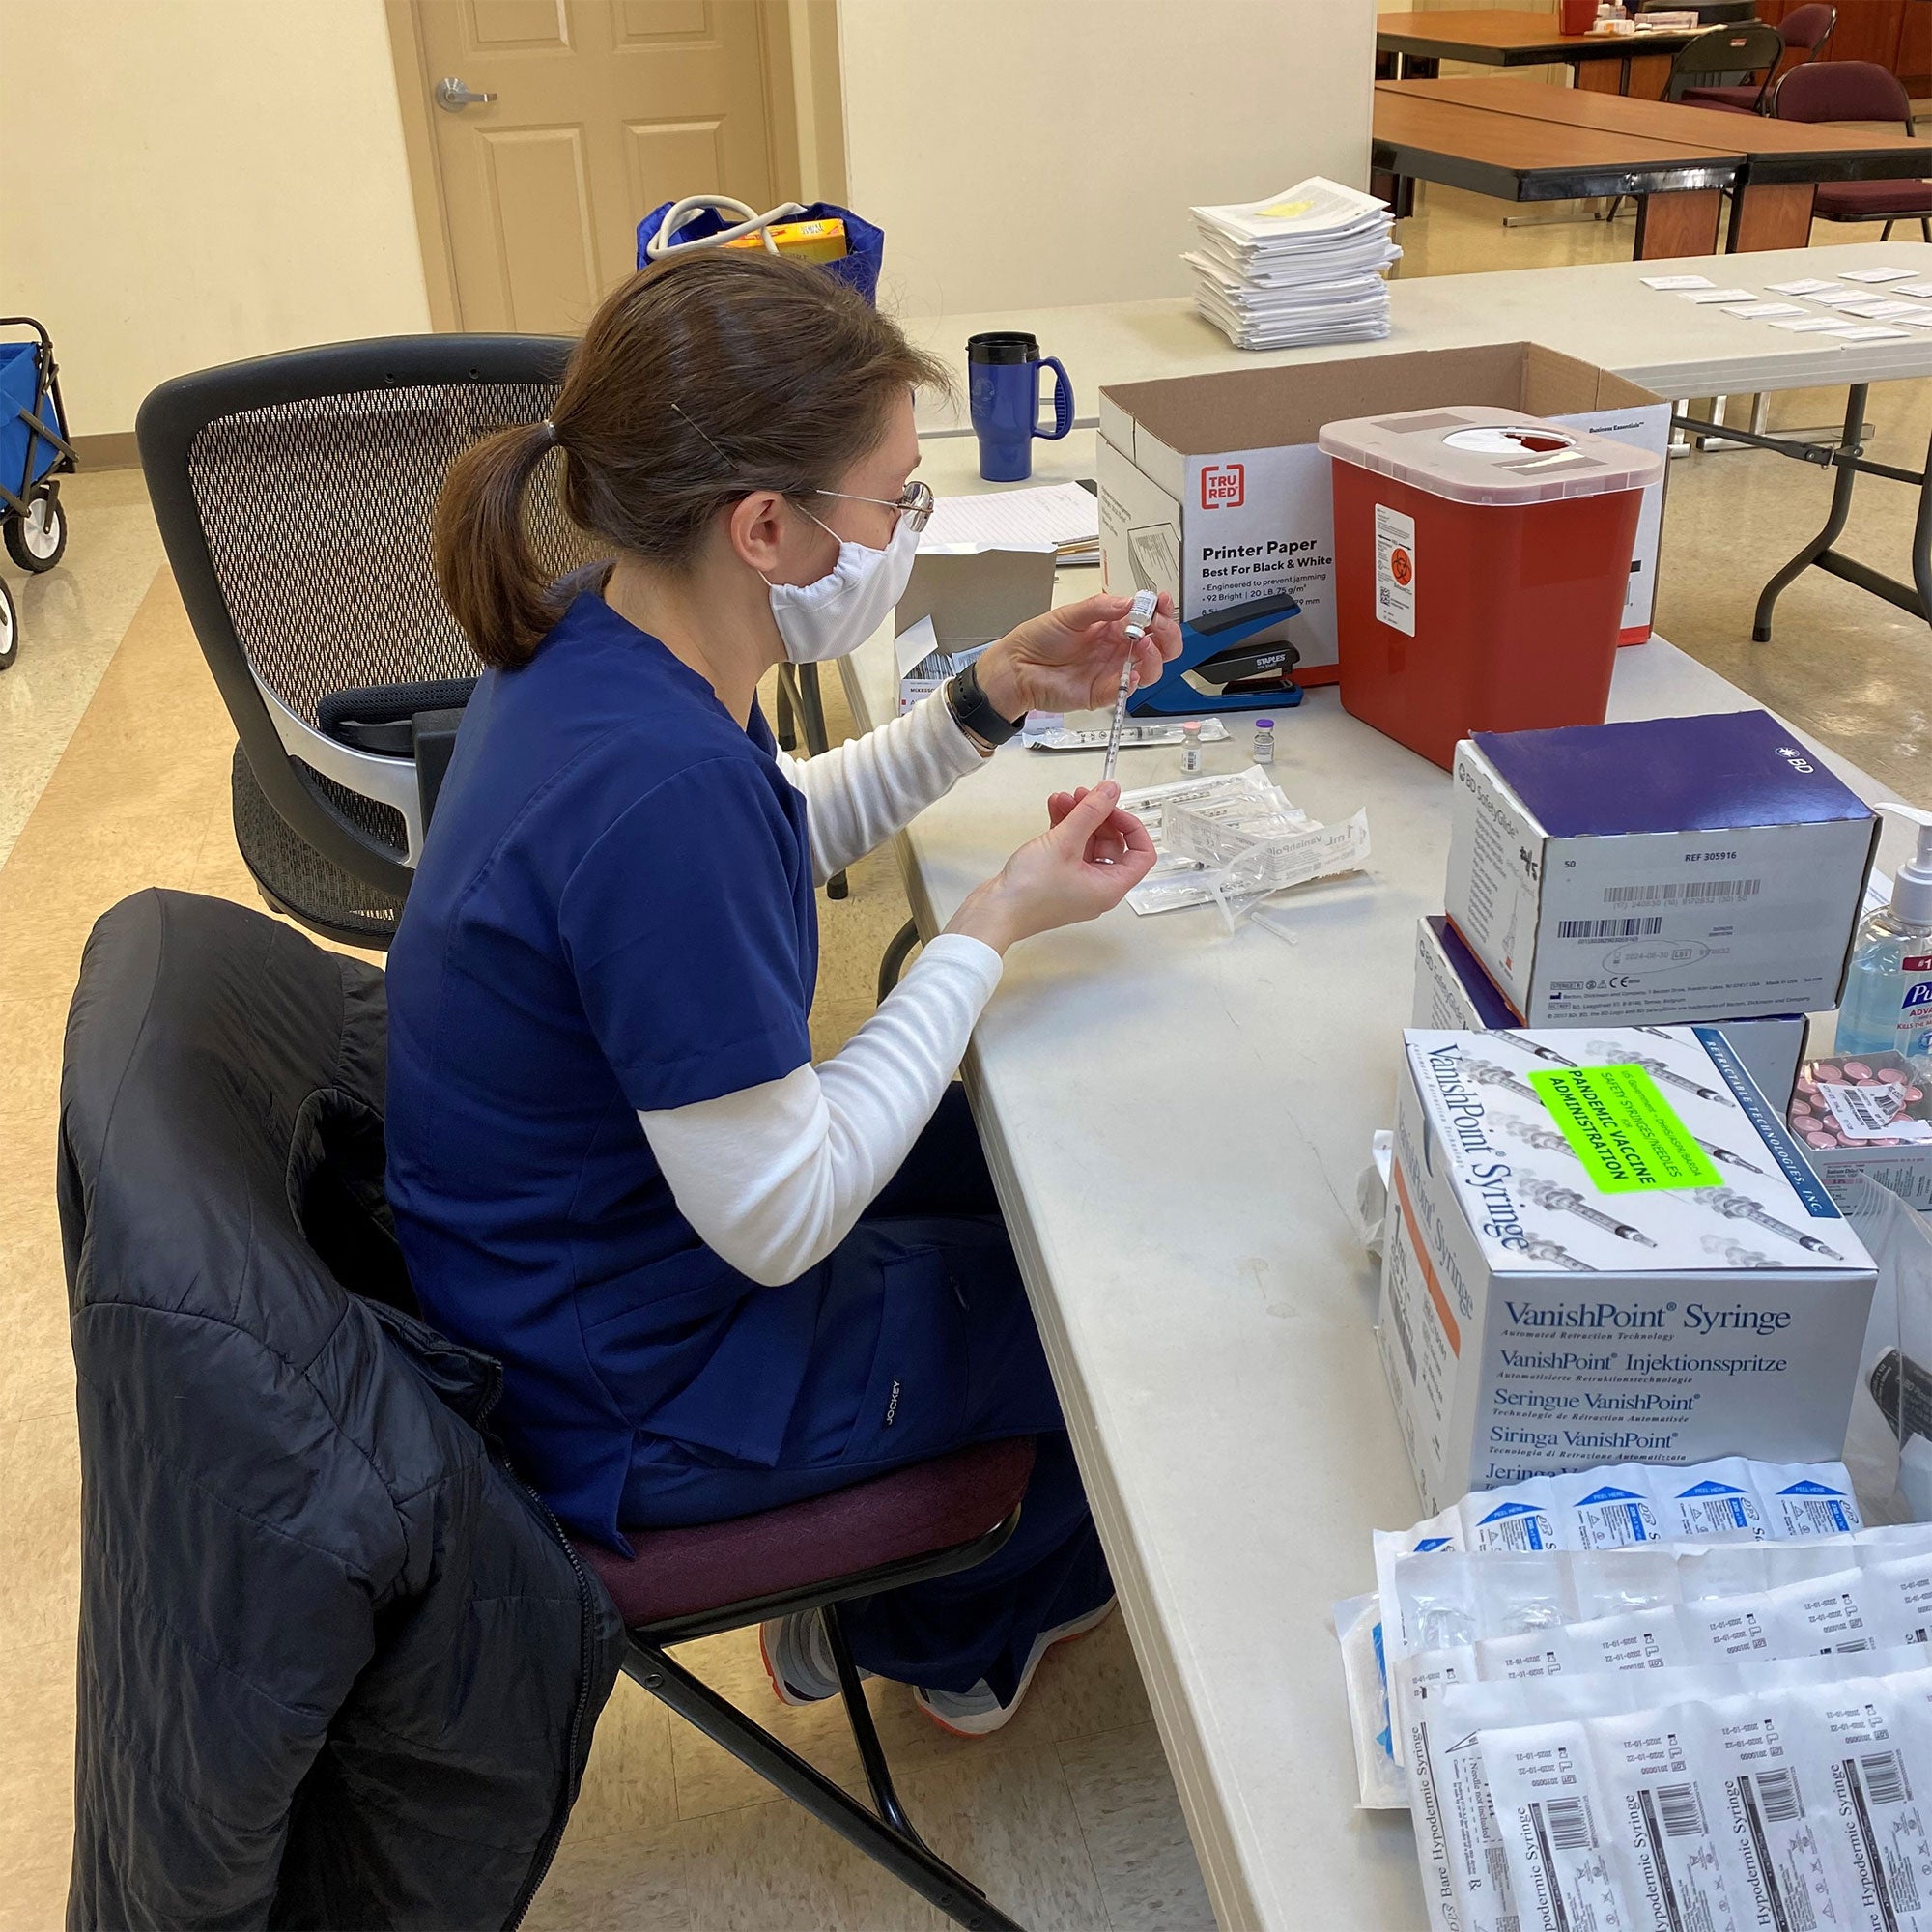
x,y
698,381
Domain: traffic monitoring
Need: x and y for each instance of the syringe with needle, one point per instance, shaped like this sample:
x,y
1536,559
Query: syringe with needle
x,y
1140,616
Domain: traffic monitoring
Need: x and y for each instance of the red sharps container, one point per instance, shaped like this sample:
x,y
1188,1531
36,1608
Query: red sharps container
x,y
1481,560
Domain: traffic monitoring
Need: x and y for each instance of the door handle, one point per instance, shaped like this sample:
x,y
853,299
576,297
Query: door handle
x,y
453,97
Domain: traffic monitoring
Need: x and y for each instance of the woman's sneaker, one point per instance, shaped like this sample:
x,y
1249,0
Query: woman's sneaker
x,y
976,1713
798,1657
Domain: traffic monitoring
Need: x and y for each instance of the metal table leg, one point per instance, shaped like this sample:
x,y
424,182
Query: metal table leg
x,y
1819,549
811,719
1848,459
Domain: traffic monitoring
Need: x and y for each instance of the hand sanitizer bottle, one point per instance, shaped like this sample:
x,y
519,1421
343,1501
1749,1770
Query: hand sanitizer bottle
x,y
1889,992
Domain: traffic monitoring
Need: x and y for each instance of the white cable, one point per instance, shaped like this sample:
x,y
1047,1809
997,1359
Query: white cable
x,y
680,212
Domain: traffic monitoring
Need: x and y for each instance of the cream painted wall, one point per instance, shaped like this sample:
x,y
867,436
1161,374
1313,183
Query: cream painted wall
x,y
194,180
1023,152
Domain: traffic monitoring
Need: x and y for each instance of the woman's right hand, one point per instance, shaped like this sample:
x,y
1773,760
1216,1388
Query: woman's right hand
x,y
1086,864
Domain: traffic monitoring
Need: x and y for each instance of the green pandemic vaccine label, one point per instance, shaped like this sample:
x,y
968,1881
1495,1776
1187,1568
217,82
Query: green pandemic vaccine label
x,y
1625,1132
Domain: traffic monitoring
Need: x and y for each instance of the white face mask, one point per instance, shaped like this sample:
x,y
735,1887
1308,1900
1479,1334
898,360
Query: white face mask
x,y
832,616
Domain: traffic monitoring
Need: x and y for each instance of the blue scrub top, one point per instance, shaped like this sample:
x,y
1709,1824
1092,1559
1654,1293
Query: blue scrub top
x,y
613,912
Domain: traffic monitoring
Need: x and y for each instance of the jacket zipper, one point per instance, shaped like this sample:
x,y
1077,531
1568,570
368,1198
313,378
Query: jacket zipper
x,y
560,1816
586,1615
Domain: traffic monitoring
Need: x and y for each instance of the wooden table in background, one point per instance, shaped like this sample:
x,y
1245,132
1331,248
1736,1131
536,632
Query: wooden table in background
x,y
1521,140
1409,47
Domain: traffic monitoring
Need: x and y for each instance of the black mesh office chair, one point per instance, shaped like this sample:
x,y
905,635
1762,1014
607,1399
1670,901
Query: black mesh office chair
x,y
295,497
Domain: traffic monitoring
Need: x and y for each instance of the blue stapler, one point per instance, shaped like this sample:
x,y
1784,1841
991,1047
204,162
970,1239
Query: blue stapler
x,y
1219,670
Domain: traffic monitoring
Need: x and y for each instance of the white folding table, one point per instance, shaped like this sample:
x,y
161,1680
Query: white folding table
x,y
1601,312
1176,1121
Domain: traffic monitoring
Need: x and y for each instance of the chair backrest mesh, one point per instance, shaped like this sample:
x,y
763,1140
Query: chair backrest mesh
x,y
1840,91
318,516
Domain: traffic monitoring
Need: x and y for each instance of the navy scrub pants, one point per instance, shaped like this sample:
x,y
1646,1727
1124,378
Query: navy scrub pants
x,y
924,1343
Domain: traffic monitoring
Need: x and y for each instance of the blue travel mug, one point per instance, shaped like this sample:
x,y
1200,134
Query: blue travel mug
x,y
1003,388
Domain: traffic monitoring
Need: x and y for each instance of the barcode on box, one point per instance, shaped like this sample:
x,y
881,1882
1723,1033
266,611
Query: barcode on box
x,y
1683,1817
1609,929
1885,1777
1683,892
1778,1795
1569,1822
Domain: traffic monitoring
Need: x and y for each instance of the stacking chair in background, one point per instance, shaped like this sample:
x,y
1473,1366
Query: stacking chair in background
x,y
295,495
1804,30
1714,62
1856,91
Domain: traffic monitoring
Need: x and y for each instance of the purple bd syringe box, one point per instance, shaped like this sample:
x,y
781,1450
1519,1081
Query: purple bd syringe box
x,y
1453,993
1663,871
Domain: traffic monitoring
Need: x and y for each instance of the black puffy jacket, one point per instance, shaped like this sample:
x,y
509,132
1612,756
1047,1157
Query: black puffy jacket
x,y
337,1666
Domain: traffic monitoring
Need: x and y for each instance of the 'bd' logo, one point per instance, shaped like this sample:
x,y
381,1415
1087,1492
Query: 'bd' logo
x,y
1400,568
1222,486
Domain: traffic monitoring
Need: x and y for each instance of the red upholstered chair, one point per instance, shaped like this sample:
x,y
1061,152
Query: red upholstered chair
x,y
1856,91
1804,30
927,1520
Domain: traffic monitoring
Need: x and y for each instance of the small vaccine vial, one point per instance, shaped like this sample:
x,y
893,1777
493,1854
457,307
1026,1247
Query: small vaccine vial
x,y
1190,745
1264,741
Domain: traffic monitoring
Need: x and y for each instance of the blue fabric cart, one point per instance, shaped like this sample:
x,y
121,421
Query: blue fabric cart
x,y
35,453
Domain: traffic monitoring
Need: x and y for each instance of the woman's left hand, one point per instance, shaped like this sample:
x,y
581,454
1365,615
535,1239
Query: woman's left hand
x,y
1070,658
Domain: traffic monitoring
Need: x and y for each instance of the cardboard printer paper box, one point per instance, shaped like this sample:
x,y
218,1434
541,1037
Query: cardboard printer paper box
x,y
1628,1260
1212,490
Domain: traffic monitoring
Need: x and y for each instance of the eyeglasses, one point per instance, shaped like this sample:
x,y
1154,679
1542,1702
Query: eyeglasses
x,y
914,502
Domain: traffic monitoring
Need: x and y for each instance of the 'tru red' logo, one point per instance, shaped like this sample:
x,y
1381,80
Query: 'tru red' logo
x,y
1222,486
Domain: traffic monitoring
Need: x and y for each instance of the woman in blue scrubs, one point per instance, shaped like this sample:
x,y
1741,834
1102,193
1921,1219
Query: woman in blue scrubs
x,y
719,1278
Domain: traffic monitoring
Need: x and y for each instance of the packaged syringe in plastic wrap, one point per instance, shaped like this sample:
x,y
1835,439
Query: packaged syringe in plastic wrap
x,y
1607,1507
1464,1871
1468,1597
1600,1509
1801,1804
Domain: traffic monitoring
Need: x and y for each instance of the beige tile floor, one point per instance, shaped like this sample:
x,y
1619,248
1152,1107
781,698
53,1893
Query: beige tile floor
x,y
113,776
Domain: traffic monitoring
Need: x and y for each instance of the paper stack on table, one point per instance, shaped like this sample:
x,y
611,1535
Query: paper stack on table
x,y
1302,265
1061,517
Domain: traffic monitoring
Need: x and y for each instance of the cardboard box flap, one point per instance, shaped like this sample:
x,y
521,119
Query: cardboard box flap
x,y
1622,1153
1181,417
1714,772
976,596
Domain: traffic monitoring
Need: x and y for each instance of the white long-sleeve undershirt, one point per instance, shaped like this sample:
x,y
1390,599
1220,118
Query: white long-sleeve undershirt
x,y
773,1176
859,793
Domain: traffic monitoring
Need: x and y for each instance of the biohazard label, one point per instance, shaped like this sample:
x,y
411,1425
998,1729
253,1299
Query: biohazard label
x,y
1395,570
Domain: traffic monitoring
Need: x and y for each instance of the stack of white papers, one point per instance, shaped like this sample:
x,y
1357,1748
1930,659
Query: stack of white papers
x,y
1060,517
1302,265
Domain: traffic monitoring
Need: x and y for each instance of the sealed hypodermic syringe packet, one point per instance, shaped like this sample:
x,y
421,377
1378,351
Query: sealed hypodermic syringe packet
x,y
1606,1247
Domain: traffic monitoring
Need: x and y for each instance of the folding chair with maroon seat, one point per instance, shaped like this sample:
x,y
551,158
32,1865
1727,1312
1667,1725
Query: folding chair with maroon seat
x,y
928,1520
1856,91
1745,47
1804,30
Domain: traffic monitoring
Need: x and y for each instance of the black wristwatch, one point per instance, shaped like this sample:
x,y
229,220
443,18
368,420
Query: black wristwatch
x,y
975,713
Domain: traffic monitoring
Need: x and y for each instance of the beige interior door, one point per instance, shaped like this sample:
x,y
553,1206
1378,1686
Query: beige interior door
x,y
600,110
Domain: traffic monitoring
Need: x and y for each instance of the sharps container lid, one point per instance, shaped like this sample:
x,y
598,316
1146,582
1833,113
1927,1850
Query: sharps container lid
x,y
1482,455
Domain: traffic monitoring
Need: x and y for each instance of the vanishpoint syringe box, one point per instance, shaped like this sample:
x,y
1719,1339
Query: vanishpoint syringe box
x,y
1668,870
1626,1261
